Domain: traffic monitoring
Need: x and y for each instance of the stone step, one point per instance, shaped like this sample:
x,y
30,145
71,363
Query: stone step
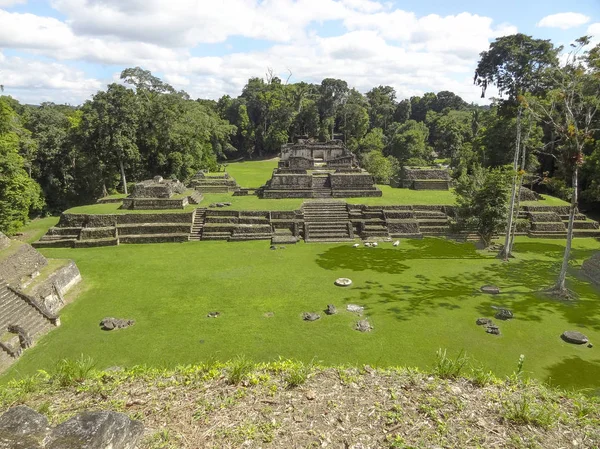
x,y
328,240
154,238
243,237
433,222
434,229
54,244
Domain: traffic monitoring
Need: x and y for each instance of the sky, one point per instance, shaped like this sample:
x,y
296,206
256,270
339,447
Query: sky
x,y
66,50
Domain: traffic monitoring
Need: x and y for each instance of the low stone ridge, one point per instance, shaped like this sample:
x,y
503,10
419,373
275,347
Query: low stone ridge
x,y
363,326
109,324
491,289
574,337
331,310
23,428
343,282
309,316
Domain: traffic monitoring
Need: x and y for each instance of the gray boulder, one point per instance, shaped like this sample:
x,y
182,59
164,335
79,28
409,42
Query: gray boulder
x,y
308,316
574,337
483,321
331,310
490,289
96,430
22,428
504,314
492,329
109,324
363,326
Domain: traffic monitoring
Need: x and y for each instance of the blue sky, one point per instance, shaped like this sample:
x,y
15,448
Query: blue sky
x,y
65,50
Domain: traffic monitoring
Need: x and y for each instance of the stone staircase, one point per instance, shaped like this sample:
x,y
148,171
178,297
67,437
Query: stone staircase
x,y
195,197
327,221
198,224
15,310
375,227
321,186
432,222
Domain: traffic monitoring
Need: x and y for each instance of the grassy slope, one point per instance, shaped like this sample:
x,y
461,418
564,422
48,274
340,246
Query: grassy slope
x,y
286,404
419,297
35,229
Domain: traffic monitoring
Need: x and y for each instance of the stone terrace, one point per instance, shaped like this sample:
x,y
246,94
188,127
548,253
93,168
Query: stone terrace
x,y
425,178
318,220
31,294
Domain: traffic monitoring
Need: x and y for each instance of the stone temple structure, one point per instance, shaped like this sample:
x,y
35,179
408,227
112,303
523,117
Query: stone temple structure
x,y
31,295
159,193
309,169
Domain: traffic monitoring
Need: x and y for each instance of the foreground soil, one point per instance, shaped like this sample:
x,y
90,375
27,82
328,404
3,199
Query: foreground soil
x,y
290,405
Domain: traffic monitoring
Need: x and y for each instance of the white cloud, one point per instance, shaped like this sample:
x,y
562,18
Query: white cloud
x,y
9,3
34,81
380,44
564,20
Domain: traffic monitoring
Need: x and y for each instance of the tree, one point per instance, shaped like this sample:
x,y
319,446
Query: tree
x,y
353,118
19,194
514,64
382,168
333,93
570,108
373,141
109,124
408,141
403,111
481,201
382,104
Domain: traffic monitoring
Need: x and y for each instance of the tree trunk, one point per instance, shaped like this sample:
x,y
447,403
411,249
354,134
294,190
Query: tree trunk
x,y
123,179
523,164
505,253
560,286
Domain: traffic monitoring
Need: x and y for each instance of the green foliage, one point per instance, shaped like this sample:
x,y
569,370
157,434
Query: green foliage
x,y
382,168
408,141
239,371
515,64
449,368
70,372
523,408
20,195
482,201
297,374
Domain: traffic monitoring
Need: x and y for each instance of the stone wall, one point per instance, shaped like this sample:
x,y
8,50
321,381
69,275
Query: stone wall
x,y
99,221
22,263
291,181
350,181
591,268
57,284
154,203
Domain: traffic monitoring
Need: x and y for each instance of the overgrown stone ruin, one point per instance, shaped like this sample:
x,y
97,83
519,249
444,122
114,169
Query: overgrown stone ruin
x,y
31,296
206,182
316,221
310,169
419,178
591,268
159,193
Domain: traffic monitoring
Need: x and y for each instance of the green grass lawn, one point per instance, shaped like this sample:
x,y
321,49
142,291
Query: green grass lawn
x,y
252,174
421,296
35,229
